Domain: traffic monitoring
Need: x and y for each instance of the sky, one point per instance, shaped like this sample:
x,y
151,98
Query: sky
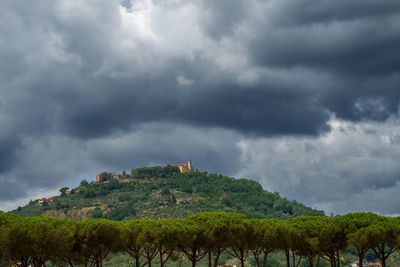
x,y
302,96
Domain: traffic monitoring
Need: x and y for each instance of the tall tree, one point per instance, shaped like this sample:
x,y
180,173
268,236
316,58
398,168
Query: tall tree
x,y
265,238
147,238
354,225
35,240
384,238
66,253
63,191
96,239
131,243
305,237
333,240
192,240
7,220
240,232
216,225
165,232
3,255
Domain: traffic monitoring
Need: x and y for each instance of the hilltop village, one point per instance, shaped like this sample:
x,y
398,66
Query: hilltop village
x,y
104,177
172,191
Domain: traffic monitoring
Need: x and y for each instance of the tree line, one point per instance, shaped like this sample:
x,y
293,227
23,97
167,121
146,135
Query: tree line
x,y
204,236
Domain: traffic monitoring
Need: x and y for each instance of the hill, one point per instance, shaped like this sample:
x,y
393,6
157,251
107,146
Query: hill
x,y
164,192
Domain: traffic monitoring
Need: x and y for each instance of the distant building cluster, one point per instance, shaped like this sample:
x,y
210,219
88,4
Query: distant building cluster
x,y
186,167
45,200
100,177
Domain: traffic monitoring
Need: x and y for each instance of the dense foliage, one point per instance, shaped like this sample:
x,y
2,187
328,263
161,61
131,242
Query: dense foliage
x,y
157,171
310,240
164,192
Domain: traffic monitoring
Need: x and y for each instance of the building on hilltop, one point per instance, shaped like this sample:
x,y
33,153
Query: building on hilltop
x,y
104,176
45,200
99,177
186,167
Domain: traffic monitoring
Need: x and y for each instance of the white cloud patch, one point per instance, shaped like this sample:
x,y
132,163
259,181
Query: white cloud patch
x,y
182,81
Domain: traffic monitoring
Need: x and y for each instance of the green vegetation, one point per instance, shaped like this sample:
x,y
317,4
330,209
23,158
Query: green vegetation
x,y
157,171
244,226
164,192
204,239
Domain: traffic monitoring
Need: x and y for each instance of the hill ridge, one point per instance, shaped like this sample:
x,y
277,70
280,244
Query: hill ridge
x,y
165,192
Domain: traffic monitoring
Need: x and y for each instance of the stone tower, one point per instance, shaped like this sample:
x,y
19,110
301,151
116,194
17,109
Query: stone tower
x,y
189,165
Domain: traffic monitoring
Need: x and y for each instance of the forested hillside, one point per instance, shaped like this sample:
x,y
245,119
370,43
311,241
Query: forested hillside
x,y
164,192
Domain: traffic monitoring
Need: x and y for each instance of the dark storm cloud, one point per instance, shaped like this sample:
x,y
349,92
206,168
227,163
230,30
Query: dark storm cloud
x,y
209,150
9,190
224,16
305,12
86,86
260,110
355,42
92,104
8,148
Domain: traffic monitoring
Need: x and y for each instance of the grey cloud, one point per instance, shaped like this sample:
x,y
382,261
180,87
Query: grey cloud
x,y
166,143
56,161
43,163
383,201
91,103
333,170
354,42
11,190
304,12
224,16
8,147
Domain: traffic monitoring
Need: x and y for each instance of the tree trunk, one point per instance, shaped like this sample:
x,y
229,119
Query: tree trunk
x,y
38,263
194,253
256,255
311,261
70,263
161,258
242,258
287,254
293,259
216,260
242,262
257,258
360,261
209,259
295,264
265,259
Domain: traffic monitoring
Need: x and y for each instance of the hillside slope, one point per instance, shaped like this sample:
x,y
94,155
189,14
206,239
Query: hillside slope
x,y
164,192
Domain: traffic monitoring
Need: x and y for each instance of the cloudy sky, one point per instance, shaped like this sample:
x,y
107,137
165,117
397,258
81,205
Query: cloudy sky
x,y
303,96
